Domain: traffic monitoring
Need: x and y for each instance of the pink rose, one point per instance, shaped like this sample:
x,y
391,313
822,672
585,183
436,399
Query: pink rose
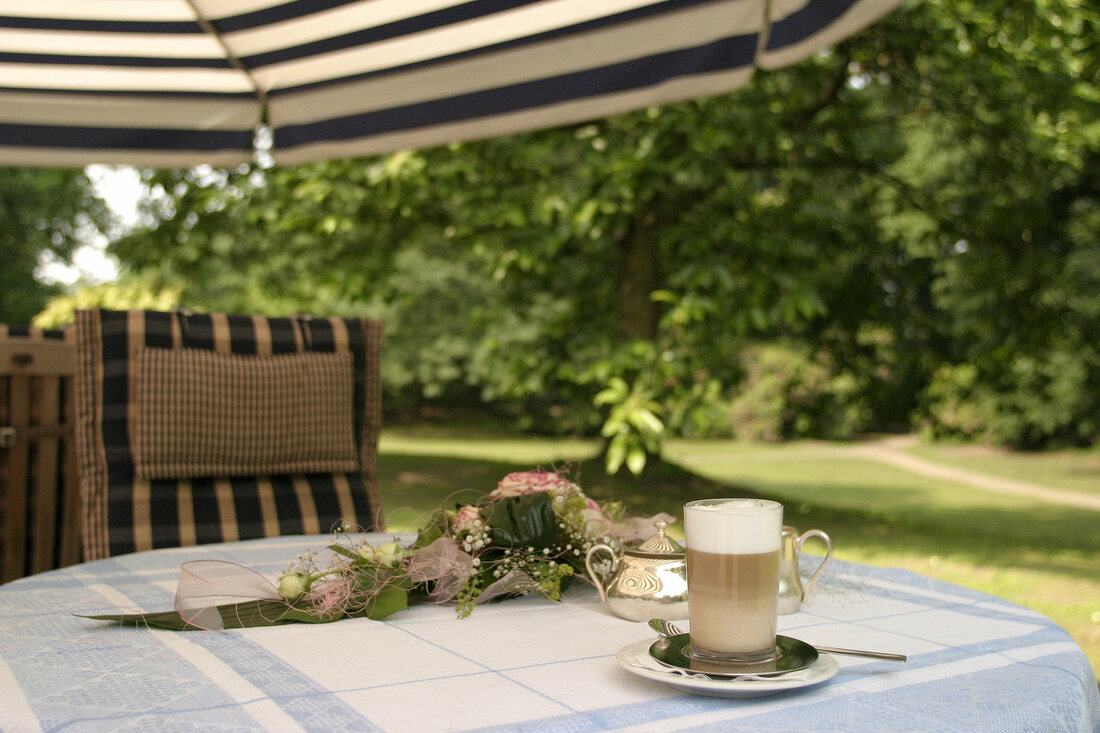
x,y
467,517
529,482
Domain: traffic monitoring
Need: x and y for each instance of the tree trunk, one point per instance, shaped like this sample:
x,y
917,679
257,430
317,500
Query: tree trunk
x,y
638,278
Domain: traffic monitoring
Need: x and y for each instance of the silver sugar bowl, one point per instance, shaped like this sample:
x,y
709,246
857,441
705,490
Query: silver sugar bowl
x,y
649,581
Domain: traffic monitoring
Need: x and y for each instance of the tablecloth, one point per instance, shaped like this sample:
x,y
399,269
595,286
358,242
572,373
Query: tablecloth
x,y
976,663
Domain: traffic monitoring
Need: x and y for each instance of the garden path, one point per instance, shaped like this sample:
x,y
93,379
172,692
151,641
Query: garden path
x,y
891,451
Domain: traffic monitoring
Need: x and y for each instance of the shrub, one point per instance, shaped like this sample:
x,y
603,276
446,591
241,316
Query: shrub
x,y
1033,402
790,391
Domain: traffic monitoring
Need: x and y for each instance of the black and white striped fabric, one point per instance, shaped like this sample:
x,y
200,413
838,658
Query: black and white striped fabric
x,y
146,483
174,83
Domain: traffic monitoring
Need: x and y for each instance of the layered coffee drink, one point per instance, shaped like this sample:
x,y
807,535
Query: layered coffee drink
x,y
733,551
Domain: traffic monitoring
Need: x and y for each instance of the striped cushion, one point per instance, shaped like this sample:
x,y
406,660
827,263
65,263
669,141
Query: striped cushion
x,y
124,448
200,413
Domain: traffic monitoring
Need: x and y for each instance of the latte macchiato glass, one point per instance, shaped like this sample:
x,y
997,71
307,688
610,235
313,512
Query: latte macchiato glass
x,y
733,550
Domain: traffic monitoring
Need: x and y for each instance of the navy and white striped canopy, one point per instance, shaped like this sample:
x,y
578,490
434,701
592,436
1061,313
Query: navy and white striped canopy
x,y
174,83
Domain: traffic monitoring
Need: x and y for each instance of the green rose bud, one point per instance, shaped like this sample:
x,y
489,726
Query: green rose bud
x,y
387,555
293,586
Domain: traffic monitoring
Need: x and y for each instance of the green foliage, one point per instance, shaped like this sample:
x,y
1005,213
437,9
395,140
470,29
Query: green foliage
x,y
523,521
632,427
1039,401
953,407
1011,170
128,292
43,216
829,250
789,392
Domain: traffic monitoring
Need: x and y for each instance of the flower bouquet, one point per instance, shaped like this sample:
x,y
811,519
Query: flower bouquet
x,y
529,535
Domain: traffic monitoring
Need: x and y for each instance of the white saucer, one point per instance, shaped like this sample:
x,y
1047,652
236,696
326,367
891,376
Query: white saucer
x,y
635,658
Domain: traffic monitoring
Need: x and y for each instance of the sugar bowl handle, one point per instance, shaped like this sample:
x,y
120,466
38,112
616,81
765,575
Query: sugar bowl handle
x,y
593,575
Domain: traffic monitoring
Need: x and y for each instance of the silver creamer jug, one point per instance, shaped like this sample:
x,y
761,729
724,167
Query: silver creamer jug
x,y
649,581
791,592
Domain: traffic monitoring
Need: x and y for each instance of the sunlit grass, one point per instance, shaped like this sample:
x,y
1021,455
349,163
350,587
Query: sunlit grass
x,y
529,452
1038,554
1072,470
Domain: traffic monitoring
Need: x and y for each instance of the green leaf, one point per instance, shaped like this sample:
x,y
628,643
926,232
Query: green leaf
x,y
636,459
345,551
160,620
613,426
759,318
391,599
429,534
234,616
254,613
523,521
645,420
663,296
616,453
616,391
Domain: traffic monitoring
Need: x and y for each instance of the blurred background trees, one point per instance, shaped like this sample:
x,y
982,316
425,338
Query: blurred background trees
x,y
44,215
902,233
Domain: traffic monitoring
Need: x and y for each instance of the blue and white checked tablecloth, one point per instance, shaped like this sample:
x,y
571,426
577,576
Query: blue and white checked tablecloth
x,y
976,663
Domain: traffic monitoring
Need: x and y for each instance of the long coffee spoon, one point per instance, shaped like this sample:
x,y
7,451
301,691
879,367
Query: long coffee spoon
x,y
667,628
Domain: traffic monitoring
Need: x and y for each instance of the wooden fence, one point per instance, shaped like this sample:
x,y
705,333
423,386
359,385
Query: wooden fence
x,y
39,491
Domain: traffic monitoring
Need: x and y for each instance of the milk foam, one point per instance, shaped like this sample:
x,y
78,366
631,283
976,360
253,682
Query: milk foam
x,y
733,526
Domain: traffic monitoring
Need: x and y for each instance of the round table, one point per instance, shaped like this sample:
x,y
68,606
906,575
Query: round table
x,y
975,662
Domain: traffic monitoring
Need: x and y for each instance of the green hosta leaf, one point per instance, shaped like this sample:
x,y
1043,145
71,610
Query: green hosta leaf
x,y
523,521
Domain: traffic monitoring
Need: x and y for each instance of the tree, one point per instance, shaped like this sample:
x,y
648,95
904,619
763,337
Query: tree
x,y
1005,164
43,213
920,198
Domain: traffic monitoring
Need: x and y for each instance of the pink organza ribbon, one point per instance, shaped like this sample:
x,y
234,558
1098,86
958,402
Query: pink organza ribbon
x,y
636,529
444,562
206,584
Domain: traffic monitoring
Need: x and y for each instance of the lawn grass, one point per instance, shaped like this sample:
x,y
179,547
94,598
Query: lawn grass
x,y
1071,470
1038,554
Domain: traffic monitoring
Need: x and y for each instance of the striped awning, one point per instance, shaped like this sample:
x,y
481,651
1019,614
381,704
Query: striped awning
x,y
174,83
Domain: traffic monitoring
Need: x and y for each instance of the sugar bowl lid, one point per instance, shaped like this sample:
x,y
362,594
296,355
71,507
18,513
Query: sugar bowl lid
x,y
658,546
